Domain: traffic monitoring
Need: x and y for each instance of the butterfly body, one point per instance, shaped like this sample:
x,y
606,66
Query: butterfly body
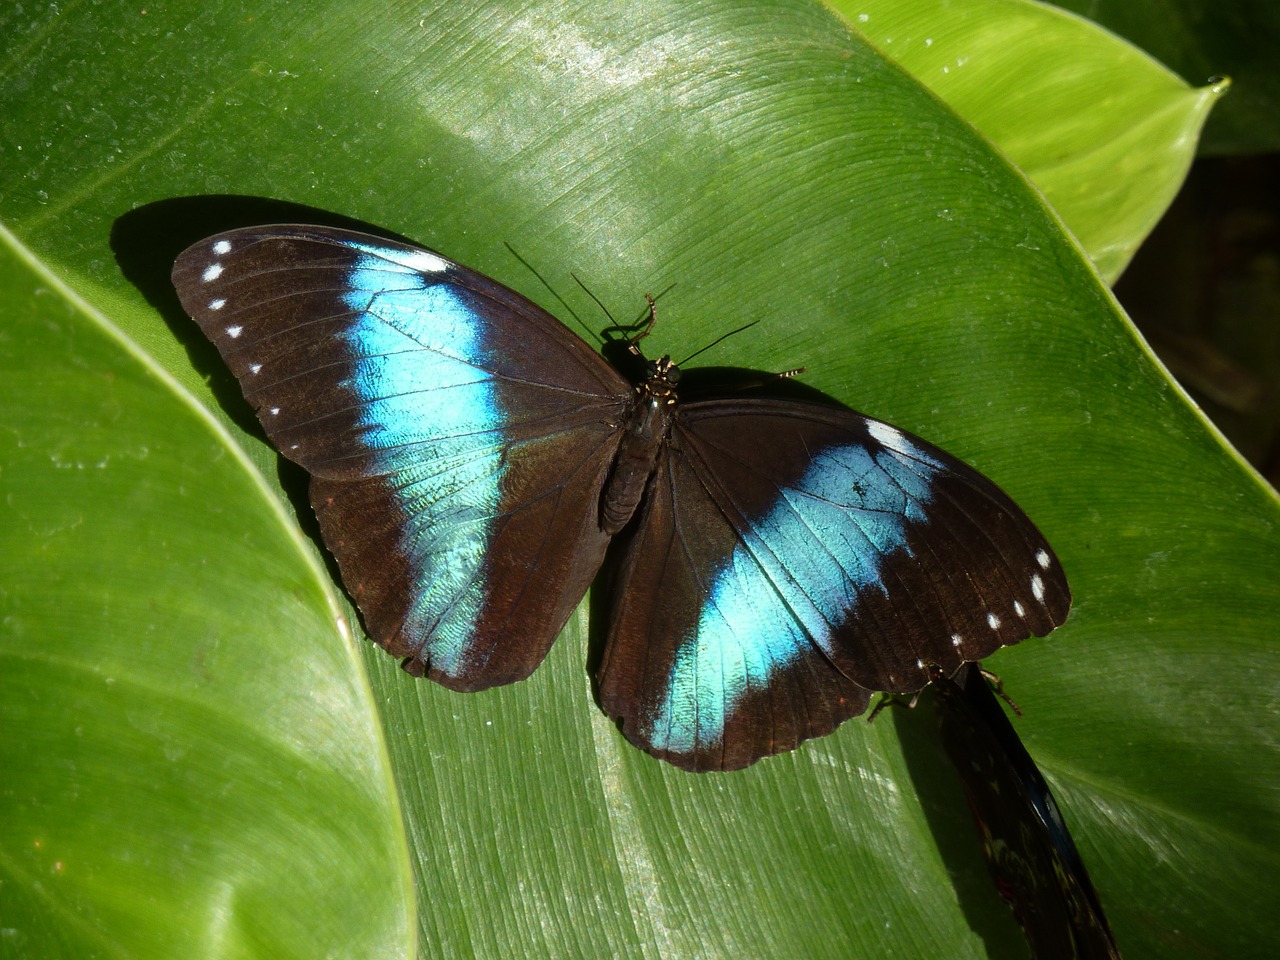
x,y
472,460
647,430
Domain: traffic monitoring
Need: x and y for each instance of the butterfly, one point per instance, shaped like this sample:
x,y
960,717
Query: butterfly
x,y
1034,861
472,460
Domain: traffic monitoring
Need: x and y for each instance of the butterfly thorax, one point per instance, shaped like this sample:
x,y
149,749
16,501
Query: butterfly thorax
x,y
647,424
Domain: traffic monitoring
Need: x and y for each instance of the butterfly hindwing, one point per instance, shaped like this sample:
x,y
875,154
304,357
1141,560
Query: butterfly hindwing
x,y
821,549
457,435
494,585
750,684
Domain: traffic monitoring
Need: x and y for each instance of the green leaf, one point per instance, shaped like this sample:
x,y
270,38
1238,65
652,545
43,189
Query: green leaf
x,y
175,772
771,164
1105,132
1201,39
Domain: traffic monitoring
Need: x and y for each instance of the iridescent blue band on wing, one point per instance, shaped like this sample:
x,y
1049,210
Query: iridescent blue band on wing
x,y
432,418
791,582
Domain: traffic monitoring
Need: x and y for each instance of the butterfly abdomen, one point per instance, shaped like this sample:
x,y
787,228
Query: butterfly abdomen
x,y
648,425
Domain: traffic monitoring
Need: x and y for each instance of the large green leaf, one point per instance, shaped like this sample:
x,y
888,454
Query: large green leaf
x,y
773,165
1206,38
1104,132
174,772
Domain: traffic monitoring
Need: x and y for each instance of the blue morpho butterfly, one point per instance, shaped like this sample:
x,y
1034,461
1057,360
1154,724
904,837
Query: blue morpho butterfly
x,y
1032,857
471,459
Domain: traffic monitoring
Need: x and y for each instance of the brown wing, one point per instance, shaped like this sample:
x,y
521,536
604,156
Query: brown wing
x,y
456,433
705,665
798,555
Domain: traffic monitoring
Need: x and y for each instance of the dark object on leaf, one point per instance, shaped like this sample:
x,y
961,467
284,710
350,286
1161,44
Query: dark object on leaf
x,y
1032,857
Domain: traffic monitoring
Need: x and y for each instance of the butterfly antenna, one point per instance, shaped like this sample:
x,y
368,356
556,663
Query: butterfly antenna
x,y
726,336
552,290
780,375
599,302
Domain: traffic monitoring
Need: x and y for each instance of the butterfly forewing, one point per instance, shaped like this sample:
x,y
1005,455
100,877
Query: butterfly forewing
x,y
894,554
456,433
800,533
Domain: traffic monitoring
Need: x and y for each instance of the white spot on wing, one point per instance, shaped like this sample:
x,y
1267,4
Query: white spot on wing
x,y
234,332
889,436
212,272
423,261
1017,608
899,442
426,262
1037,587
217,304
993,621
255,368
1042,558
222,247
275,412
956,640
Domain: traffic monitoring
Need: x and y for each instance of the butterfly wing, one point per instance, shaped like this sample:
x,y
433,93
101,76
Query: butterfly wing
x,y
1025,839
457,435
705,665
798,556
